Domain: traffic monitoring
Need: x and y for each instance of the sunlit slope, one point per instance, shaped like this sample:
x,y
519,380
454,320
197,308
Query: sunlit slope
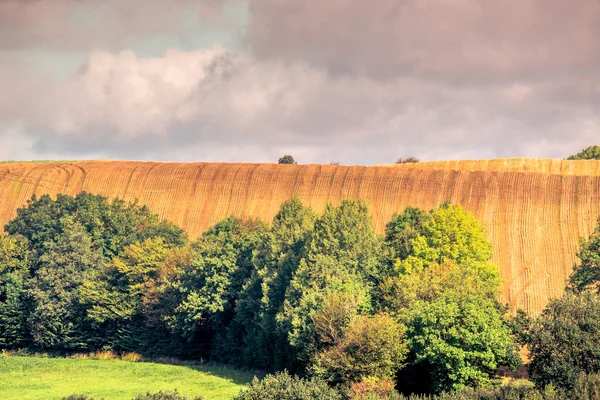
x,y
534,220
544,166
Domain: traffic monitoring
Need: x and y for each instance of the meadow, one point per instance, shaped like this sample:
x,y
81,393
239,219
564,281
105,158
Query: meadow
x,y
37,378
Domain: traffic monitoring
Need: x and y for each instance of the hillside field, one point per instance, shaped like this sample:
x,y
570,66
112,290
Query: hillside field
x,y
534,211
31,378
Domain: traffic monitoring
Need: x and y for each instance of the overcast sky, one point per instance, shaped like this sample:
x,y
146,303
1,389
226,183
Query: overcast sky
x,y
353,81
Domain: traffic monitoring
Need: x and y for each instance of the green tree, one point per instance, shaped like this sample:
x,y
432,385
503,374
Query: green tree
x,y
275,261
287,159
370,346
56,317
586,274
444,288
590,153
114,298
450,233
14,272
343,255
403,229
460,341
565,340
212,286
112,225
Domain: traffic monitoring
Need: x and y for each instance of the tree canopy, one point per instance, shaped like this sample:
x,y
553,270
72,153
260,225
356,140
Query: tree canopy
x,y
589,153
287,159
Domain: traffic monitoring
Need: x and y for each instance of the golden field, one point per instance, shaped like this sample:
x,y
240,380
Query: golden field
x,y
534,210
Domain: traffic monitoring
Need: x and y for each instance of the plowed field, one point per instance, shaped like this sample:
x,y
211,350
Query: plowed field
x,y
534,210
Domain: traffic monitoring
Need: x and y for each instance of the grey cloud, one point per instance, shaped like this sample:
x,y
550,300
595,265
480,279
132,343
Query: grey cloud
x,y
469,41
213,104
104,24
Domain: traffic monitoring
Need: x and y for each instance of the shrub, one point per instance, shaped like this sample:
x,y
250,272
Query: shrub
x,y
372,346
174,395
587,387
407,160
564,340
372,388
283,386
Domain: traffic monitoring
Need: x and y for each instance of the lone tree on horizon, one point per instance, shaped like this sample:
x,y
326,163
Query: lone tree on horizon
x,y
407,160
287,159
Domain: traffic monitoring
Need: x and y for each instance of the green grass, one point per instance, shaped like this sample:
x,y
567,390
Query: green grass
x,y
28,378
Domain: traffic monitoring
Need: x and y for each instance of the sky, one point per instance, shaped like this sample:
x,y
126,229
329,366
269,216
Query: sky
x,y
348,81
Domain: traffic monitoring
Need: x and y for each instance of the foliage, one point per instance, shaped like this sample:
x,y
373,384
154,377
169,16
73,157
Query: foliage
x,y
586,274
402,230
444,288
287,159
372,388
565,340
265,341
589,153
167,395
115,299
461,341
283,386
371,346
111,225
342,256
56,318
587,387
213,283
450,233
14,271
407,160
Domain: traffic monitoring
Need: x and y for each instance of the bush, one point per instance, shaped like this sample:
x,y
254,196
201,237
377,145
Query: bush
x,y
564,340
283,386
407,160
174,395
372,388
372,346
587,387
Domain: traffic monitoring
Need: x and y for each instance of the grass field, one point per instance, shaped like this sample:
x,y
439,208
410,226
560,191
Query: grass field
x,y
28,378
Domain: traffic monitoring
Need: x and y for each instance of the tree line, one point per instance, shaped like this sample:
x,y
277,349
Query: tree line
x,y
320,295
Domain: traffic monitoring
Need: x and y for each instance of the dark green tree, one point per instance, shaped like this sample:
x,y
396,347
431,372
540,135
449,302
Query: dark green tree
x,y
343,256
212,286
56,320
586,274
564,340
287,159
590,153
112,225
14,273
402,230
114,298
275,261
